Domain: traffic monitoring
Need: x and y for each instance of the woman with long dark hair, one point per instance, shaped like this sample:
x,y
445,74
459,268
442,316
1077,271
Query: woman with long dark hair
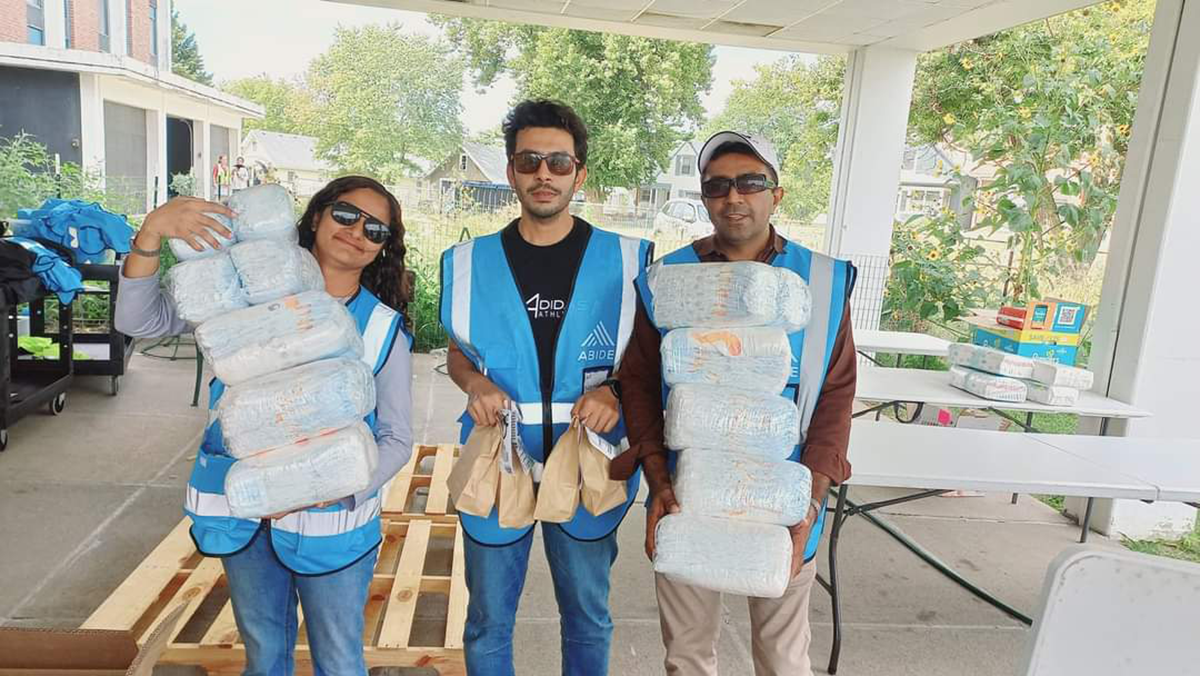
x,y
321,557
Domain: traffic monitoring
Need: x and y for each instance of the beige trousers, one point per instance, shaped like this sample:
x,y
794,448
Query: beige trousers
x,y
780,634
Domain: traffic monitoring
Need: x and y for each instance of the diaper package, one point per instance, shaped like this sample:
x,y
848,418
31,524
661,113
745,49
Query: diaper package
x,y
707,416
758,358
184,251
205,287
326,468
990,360
269,270
289,406
720,295
1050,373
296,330
987,385
264,212
1051,395
738,486
732,557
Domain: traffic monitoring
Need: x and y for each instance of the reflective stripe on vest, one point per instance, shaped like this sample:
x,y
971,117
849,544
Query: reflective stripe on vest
x,y
484,313
311,541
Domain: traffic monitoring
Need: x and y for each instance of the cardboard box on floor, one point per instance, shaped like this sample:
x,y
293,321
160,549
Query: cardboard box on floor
x,y
82,652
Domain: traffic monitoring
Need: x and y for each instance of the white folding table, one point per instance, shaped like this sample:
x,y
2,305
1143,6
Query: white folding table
x,y
899,343
1171,465
935,460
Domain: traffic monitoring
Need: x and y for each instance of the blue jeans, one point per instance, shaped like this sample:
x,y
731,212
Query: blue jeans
x,y
495,578
264,595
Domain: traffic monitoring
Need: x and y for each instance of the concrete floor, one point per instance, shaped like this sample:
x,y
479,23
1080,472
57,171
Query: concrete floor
x,y
85,496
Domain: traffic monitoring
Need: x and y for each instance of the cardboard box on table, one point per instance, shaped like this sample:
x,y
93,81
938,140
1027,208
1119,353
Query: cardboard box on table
x,y
1053,315
83,652
1034,343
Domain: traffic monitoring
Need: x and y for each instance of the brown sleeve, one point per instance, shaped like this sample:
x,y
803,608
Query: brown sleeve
x,y
641,396
829,430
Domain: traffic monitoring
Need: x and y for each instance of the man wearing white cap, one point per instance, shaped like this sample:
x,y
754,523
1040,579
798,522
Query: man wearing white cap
x,y
740,187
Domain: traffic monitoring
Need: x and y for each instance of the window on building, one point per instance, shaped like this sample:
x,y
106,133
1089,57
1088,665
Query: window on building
x,y
104,26
462,162
35,21
68,24
153,28
685,165
921,201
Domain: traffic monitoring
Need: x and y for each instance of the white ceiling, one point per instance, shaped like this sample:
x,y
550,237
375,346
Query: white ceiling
x,y
816,26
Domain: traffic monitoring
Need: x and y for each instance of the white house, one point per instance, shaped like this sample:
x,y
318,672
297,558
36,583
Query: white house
x,y
681,179
288,159
92,81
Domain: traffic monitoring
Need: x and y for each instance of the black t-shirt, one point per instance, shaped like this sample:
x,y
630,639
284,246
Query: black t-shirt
x,y
546,276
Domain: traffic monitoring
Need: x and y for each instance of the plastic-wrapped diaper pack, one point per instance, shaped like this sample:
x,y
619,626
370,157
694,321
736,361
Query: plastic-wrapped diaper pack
x,y
269,271
205,287
732,557
708,416
326,468
739,486
300,403
264,212
1050,373
990,360
758,358
987,385
1051,395
184,251
289,332
719,295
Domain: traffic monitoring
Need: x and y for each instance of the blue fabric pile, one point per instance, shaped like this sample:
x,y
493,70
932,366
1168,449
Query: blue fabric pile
x,y
83,227
54,271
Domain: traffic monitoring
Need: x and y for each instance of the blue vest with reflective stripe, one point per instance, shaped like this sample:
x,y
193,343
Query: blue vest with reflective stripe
x,y
313,541
830,280
483,311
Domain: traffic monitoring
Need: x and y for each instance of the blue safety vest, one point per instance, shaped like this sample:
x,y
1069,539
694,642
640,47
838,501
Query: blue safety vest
x,y
313,541
830,280
483,311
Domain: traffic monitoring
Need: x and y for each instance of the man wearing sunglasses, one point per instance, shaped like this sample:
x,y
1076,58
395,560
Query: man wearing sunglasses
x,y
539,315
740,188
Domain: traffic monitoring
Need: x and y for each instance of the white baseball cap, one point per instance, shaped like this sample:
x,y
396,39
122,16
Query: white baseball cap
x,y
761,147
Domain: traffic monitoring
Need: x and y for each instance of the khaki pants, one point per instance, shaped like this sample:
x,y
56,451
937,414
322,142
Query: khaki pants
x,y
691,624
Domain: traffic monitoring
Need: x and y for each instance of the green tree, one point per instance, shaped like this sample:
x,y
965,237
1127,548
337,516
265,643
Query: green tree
x,y
289,104
185,53
638,96
383,98
1047,108
795,103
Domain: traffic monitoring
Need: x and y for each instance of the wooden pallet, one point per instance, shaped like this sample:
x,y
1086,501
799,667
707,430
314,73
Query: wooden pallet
x,y
419,491
414,617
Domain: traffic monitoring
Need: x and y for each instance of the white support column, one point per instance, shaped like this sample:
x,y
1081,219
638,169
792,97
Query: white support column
x,y
91,115
156,155
55,26
1144,345
202,168
866,168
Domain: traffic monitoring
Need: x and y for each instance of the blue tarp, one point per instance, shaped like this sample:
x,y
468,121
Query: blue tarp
x,y
56,273
83,227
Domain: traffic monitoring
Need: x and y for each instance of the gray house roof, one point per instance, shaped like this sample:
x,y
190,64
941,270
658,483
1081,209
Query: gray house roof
x,y
490,160
284,151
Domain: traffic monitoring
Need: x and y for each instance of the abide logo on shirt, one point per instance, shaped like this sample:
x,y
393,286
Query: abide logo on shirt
x,y
599,345
545,308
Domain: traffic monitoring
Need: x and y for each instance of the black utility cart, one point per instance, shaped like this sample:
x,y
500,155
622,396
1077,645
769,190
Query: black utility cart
x,y
26,383
109,350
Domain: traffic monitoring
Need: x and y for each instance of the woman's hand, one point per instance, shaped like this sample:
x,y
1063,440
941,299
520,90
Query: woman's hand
x,y
184,218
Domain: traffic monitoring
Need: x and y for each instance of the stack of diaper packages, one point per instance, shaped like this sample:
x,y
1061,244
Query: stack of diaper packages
x,y
993,374
290,356
726,359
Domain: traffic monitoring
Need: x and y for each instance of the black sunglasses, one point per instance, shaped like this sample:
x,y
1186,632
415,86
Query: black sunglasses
x,y
560,163
747,184
347,214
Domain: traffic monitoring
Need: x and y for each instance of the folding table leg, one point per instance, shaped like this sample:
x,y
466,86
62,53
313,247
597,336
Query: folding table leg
x,y
1087,521
839,518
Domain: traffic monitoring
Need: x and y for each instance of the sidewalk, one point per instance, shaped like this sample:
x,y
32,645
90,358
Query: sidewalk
x,y
88,494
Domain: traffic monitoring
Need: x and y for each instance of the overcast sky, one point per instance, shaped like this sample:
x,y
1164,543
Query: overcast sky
x,y
238,38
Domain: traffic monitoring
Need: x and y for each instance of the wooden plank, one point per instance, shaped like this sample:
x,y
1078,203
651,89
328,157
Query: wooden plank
x,y
192,593
456,612
224,629
397,496
402,602
126,605
439,489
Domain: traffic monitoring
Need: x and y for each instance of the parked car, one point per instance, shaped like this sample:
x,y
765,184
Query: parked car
x,y
684,218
